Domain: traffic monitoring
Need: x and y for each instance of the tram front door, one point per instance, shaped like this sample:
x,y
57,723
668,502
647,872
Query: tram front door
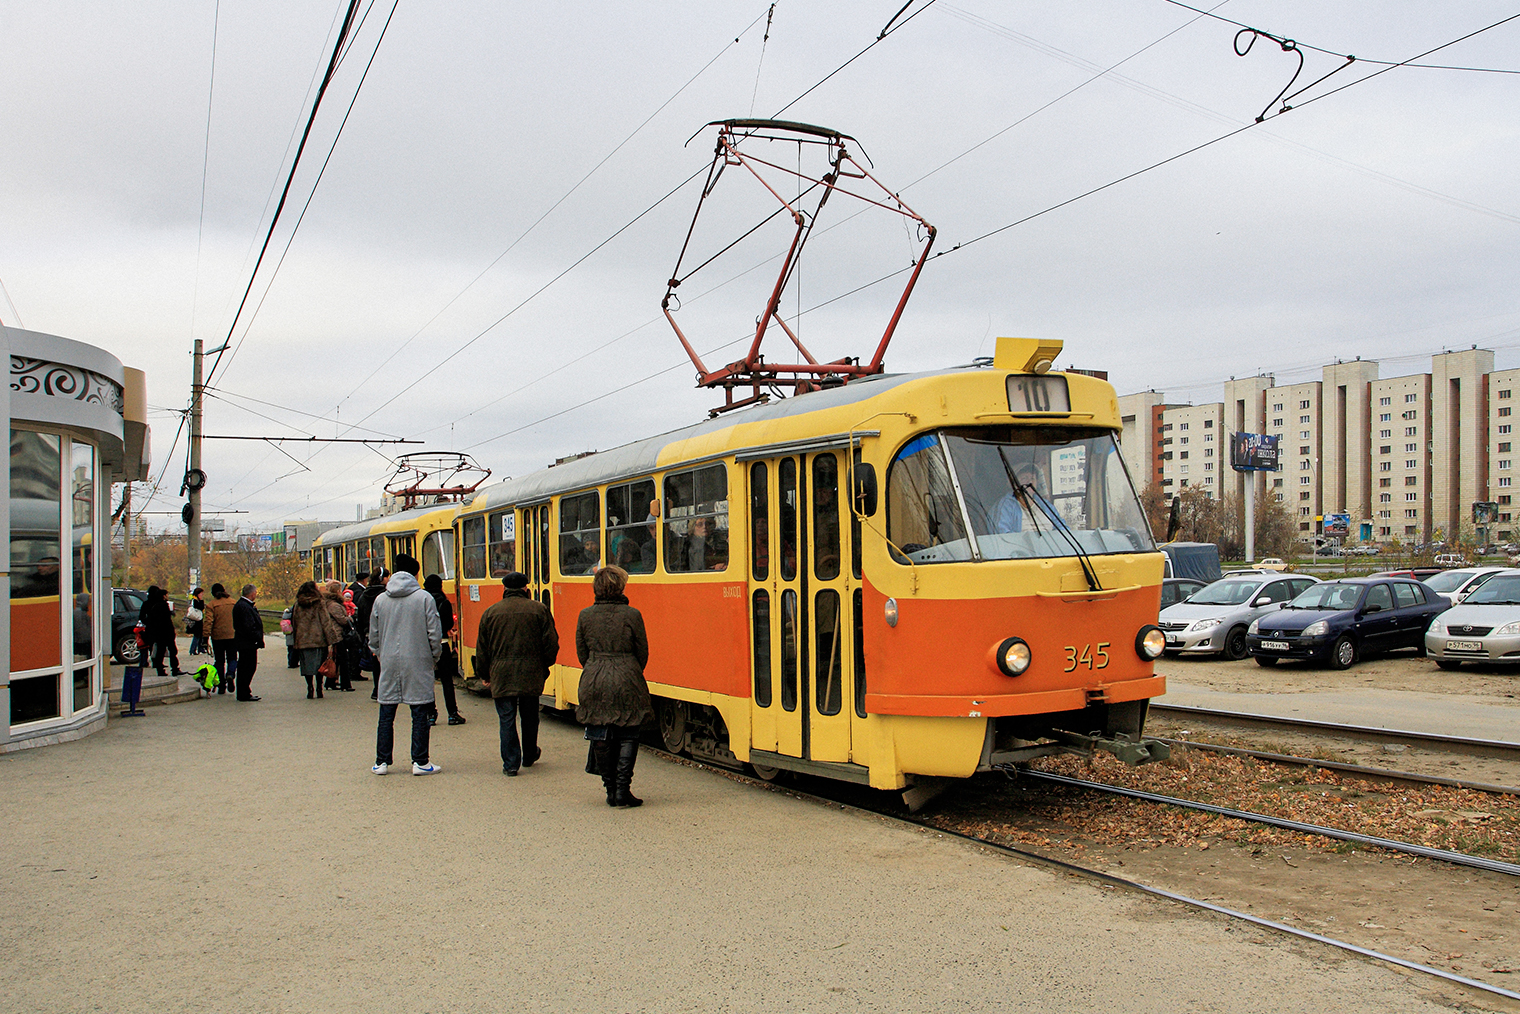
x,y
800,609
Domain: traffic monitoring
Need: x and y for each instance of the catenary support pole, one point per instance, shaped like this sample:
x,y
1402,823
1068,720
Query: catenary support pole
x,y
196,391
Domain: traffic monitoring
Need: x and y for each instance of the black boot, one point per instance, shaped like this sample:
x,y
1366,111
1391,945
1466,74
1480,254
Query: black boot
x,y
606,766
628,752
309,694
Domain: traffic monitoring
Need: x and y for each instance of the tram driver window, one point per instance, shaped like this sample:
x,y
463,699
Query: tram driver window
x,y
696,520
580,534
474,545
632,527
501,532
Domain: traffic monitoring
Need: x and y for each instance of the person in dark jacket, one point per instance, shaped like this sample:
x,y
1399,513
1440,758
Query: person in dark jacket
x,y
316,634
158,630
448,662
344,652
614,698
365,609
515,647
195,622
248,631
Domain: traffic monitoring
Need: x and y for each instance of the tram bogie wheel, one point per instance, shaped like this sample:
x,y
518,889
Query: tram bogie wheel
x,y
1343,653
1448,663
672,718
765,774
1265,661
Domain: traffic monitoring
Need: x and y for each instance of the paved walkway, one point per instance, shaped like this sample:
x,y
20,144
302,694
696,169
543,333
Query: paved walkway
x,y
220,856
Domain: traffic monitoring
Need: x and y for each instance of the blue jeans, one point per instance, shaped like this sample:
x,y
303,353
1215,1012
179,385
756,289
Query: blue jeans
x,y
385,734
514,750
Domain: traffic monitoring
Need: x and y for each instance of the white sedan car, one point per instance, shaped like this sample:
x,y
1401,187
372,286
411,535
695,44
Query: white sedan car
x,y
1458,584
1484,628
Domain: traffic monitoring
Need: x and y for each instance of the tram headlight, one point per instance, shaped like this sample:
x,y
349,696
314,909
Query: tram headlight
x,y
891,611
1013,657
1150,642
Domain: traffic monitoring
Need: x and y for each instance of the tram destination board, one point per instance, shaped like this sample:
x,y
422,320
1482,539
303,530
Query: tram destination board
x,y
1038,394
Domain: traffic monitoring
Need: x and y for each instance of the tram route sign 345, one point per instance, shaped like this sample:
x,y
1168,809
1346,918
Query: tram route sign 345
x,y
1253,452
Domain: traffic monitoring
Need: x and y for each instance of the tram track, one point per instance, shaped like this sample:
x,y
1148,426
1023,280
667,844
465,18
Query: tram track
x,y
1100,876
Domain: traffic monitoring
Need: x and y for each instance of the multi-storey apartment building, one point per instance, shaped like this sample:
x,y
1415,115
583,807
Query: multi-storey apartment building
x,y
1193,450
1405,457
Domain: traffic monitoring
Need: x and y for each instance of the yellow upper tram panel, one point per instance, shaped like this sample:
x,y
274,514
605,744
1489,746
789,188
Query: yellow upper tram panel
x,y
895,406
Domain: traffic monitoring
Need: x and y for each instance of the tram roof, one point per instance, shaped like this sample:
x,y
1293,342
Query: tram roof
x,y
643,456
388,523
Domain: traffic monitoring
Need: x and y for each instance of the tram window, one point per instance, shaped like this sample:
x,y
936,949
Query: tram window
x,y
860,657
474,548
786,481
377,553
316,564
327,563
543,547
438,555
761,613
528,563
789,649
501,534
922,508
631,527
825,517
580,533
351,553
696,520
827,679
855,540
759,522
1029,492
400,544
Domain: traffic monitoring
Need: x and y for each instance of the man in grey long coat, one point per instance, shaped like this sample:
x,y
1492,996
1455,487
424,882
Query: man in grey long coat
x,y
404,631
516,646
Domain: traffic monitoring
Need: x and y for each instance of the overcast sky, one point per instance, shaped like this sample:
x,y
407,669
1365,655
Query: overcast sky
x,y
1382,221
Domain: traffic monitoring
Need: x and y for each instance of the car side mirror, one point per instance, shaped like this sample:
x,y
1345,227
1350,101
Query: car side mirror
x,y
1265,600
1373,609
865,489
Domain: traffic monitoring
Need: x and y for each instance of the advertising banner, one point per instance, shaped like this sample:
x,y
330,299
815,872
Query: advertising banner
x,y
1253,452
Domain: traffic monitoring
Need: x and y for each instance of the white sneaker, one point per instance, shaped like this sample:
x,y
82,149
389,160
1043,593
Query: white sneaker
x,y
380,769
425,769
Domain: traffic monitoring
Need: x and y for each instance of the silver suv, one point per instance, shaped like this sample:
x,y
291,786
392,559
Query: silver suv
x,y
1215,618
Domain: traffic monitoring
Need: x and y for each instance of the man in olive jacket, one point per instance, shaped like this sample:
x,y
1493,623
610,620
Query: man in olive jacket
x,y
515,647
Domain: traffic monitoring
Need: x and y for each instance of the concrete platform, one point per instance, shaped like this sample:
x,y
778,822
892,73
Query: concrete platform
x,y
230,856
1407,711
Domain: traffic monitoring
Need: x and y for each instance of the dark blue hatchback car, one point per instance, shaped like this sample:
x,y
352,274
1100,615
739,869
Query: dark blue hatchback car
x,y
1341,621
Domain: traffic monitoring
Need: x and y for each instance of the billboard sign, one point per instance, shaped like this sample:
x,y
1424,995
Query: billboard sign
x,y
1253,452
1337,524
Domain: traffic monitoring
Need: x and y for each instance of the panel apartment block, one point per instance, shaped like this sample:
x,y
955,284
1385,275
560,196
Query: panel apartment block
x,y
1459,436
1195,452
1401,463
1294,417
1346,447
1502,442
1244,412
1138,439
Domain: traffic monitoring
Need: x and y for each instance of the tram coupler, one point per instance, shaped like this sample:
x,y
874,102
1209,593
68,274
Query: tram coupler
x,y
1131,750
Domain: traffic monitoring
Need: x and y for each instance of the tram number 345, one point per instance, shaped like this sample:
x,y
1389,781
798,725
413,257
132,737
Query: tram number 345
x,y
1087,656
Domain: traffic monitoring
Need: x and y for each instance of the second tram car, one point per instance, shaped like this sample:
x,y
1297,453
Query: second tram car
x,y
905,577
426,533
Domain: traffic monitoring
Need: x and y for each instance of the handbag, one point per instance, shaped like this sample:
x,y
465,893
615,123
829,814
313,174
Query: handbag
x,y
193,615
328,670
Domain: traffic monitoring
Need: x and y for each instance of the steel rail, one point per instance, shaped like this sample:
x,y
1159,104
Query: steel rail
x,y
1455,744
1361,771
1458,858
1107,878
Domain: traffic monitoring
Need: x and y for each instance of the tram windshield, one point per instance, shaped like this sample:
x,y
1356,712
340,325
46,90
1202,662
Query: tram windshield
x,y
1012,493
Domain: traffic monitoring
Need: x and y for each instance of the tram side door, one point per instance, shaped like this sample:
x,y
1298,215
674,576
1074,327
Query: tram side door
x,y
534,539
828,621
801,609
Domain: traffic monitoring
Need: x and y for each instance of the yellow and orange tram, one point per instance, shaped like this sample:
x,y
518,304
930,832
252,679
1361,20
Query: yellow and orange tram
x,y
905,577
426,533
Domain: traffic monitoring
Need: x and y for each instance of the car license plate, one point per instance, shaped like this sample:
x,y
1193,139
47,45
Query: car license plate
x,y
1173,639
1464,645
1274,645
